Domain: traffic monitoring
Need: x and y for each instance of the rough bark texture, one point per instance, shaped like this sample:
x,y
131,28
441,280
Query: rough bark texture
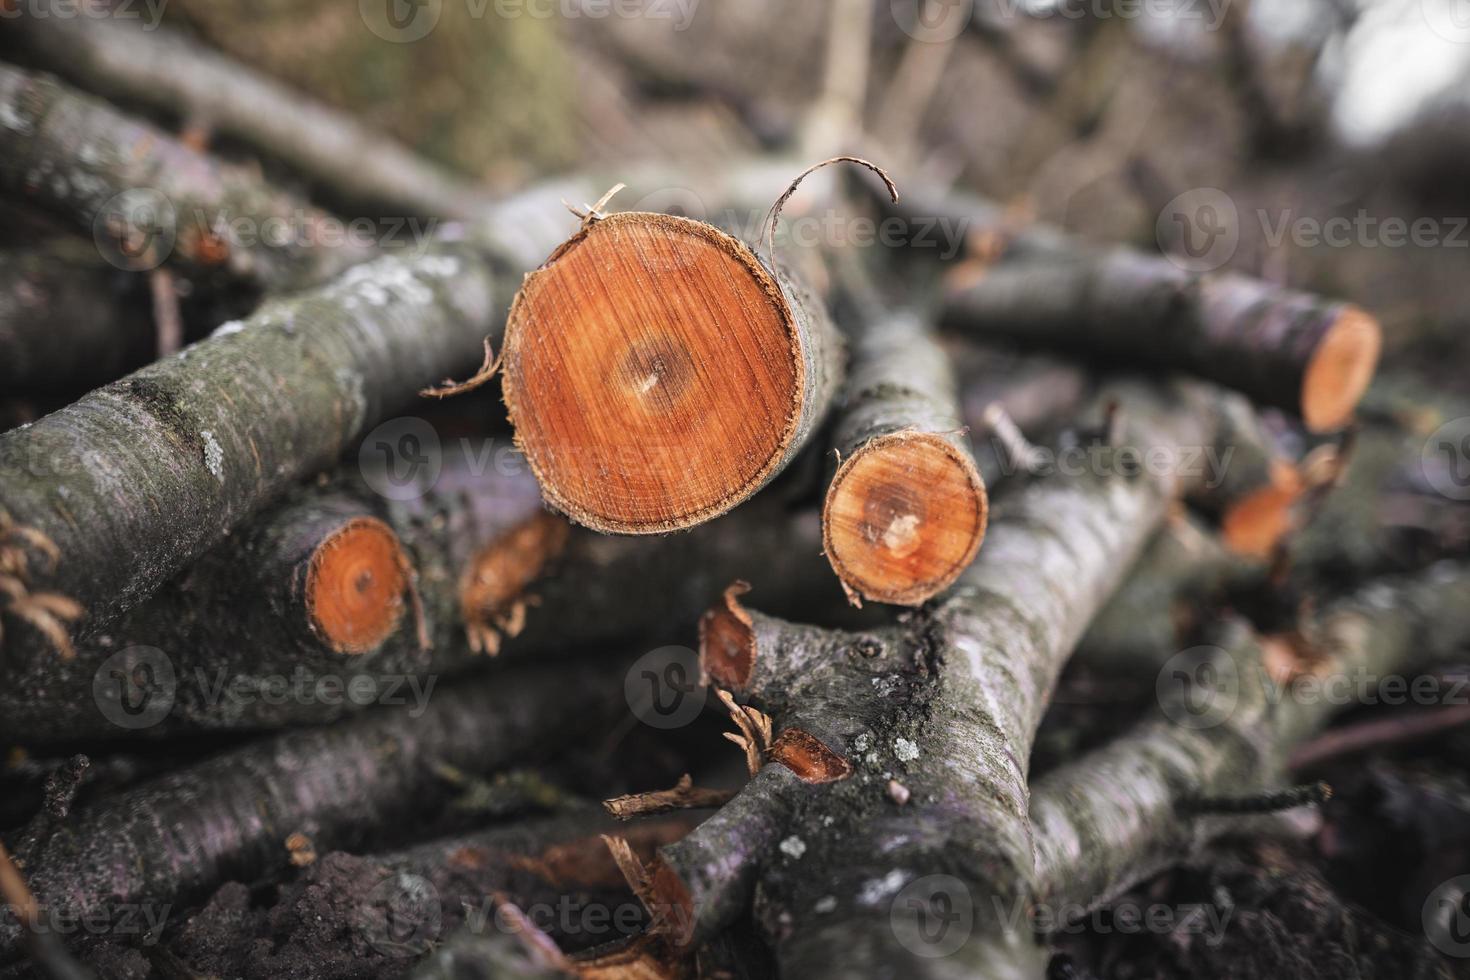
x,y
175,839
658,372
905,512
73,155
1115,816
68,321
1281,347
164,69
947,705
140,477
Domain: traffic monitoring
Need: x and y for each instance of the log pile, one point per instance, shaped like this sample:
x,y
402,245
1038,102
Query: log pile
x,y
319,662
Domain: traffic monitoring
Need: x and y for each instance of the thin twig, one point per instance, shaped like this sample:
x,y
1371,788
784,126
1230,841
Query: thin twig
x,y
683,796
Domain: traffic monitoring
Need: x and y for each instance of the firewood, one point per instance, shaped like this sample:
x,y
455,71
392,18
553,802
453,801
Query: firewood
x,y
658,372
1281,347
165,69
1121,813
95,153
142,476
962,689
334,586
354,784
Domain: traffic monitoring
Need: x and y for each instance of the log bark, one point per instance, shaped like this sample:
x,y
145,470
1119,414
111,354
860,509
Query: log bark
x,y
946,704
68,321
658,372
73,155
165,70
1281,347
905,511
142,476
1118,815
175,839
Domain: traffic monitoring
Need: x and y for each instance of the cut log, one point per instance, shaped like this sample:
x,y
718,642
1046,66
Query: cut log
x,y
142,476
905,511
78,158
658,373
1281,347
175,839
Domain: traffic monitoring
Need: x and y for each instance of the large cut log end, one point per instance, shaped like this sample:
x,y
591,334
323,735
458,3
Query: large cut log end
x,y
1340,369
658,373
355,583
904,517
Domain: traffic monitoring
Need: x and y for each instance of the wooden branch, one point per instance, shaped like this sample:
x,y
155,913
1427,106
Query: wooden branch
x,y
1281,347
167,70
905,512
1114,817
175,839
72,155
138,478
658,373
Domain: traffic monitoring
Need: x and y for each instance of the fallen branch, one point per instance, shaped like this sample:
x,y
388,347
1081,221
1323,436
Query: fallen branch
x,y
74,156
175,839
164,69
684,795
1312,356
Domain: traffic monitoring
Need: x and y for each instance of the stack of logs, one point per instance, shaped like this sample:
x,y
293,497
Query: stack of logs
x,y
214,517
